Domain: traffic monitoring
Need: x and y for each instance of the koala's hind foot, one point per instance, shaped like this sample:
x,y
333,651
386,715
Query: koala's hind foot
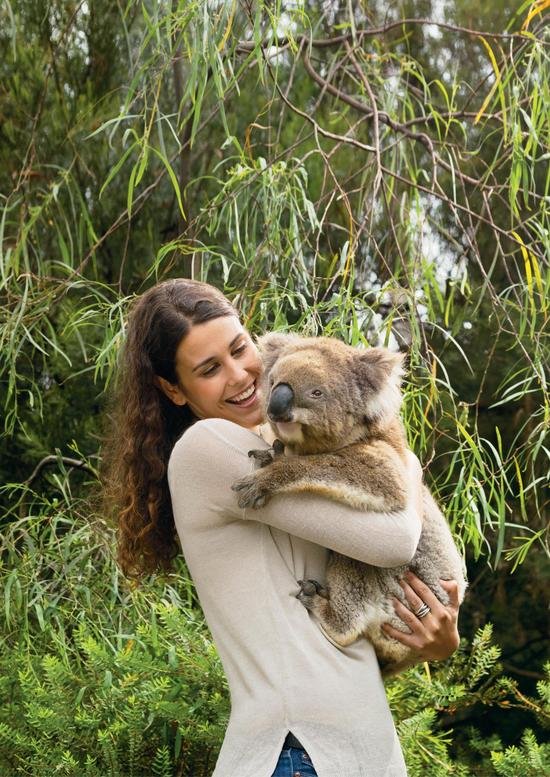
x,y
308,590
341,627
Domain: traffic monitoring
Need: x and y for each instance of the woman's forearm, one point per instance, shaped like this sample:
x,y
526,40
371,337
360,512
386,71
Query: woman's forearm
x,y
381,539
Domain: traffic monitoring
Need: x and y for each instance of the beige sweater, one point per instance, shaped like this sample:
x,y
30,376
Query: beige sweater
x,y
283,673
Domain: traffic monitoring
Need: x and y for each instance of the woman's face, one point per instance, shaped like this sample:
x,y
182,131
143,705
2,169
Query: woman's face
x,y
218,369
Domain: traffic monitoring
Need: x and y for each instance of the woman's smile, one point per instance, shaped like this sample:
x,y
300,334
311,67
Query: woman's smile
x,y
246,398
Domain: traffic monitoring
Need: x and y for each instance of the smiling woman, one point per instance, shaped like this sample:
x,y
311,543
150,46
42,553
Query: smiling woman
x,y
150,410
188,410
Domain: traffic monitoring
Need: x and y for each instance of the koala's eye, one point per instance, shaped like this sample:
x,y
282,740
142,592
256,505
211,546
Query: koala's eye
x,y
316,393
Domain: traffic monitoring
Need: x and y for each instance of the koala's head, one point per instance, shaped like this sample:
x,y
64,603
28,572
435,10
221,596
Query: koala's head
x,y
321,394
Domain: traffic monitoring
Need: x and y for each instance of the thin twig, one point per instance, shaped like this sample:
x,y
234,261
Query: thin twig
x,y
318,43
375,122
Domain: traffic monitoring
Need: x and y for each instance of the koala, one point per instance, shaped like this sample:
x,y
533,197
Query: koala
x,y
335,412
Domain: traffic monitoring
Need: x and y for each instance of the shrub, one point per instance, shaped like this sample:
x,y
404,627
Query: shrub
x,y
102,678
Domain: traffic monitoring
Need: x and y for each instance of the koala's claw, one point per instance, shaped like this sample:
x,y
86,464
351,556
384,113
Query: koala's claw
x,y
251,492
311,587
309,591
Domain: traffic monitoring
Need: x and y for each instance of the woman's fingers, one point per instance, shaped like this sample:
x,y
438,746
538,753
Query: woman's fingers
x,y
412,597
451,586
408,617
410,640
422,592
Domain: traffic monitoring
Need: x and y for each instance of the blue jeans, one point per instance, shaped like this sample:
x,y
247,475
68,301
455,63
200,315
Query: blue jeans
x,y
294,761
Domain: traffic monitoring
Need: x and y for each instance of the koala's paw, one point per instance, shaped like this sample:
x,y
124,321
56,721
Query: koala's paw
x,y
262,456
252,491
310,593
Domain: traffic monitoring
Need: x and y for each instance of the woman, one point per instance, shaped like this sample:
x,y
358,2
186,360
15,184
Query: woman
x,y
189,411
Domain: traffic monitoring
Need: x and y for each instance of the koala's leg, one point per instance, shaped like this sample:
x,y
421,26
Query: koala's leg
x,y
339,618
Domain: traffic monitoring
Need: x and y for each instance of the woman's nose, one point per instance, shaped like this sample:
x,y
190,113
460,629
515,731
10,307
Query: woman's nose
x,y
237,373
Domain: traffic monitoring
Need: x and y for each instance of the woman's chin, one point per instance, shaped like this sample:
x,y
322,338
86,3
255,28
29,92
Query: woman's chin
x,y
252,416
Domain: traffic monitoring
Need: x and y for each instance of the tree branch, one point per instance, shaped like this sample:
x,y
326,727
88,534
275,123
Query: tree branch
x,y
47,461
320,43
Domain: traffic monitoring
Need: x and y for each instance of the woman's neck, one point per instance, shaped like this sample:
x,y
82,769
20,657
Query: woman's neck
x,y
264,431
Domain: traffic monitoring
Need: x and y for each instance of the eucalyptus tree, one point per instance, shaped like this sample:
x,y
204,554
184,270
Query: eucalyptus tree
x,y
359,173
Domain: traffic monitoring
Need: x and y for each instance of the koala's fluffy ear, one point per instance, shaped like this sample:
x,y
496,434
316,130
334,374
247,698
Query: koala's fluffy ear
x,y
273,344
379,373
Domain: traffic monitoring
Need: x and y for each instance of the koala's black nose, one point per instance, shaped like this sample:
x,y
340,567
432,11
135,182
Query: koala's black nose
x,y
280,402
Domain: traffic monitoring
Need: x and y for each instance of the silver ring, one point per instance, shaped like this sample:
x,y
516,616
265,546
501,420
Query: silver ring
x,y
422,611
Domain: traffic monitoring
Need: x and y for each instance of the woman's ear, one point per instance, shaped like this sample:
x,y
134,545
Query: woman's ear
x,y
173,392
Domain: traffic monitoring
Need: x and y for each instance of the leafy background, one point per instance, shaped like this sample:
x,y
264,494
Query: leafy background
x,y
377,172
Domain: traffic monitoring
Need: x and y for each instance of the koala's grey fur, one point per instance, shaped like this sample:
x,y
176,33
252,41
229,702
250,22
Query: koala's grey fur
x,y
344,439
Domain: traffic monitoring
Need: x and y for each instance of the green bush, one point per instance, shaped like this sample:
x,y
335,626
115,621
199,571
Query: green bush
x,y
105,679
99,678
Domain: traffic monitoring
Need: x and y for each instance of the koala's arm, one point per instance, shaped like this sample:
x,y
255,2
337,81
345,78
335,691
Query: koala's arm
x,y
215,455
362,476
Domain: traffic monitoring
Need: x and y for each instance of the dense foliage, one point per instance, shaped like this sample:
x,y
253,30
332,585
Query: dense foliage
x,y
376,172
98,678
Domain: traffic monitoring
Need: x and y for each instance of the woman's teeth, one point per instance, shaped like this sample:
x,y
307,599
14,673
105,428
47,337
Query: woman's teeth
x,y
245,395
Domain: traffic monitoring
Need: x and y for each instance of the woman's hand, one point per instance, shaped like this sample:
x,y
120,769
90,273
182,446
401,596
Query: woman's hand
x,y
435,636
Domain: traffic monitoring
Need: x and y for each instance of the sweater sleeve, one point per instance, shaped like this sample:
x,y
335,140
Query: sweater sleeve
x,y
213,454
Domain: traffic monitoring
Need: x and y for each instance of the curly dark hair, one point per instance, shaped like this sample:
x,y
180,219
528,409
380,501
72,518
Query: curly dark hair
x,y
145,424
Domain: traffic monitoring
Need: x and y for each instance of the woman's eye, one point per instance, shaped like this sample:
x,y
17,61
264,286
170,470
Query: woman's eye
x,y
211,370
239,350
316,393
